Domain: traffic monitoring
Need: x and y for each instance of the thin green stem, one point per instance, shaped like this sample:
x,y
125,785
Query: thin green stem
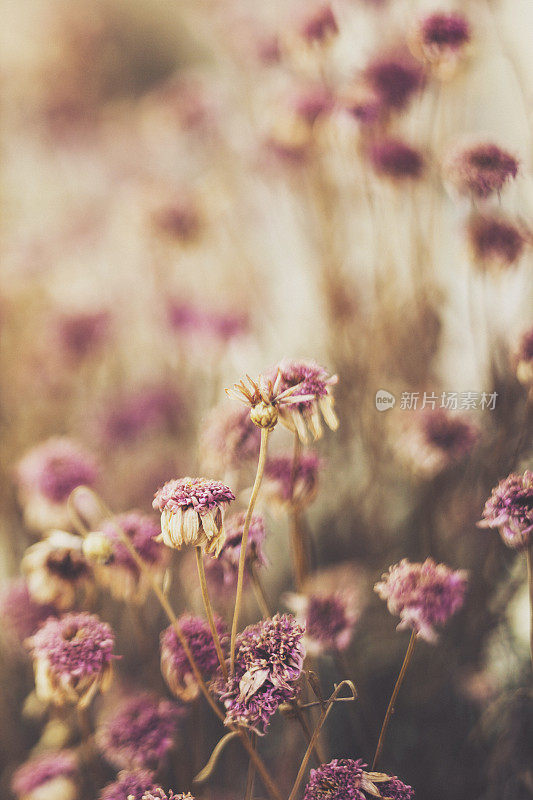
x,y
209,611
244,543
390,708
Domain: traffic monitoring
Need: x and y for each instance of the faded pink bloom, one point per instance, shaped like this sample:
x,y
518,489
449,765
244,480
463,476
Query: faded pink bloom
x,y
21,614
479,170
311,398
72,658
395,78
440,39
178,220
319,24
229,438
422,595
56,570
51,776
437,439
125,419
160,794
81,333
328,620
286,485
222,571
190,319
394,159
510,510
495,240
192,511
524,359
128,783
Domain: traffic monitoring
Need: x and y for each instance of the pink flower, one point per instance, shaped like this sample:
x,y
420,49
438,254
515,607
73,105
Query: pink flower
x,y
311,398
422,595
286,488
480,169
51,775
396,78
510,510
397,160
495,240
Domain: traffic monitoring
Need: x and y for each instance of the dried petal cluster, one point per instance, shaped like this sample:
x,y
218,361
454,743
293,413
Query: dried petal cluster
x,y
267,397
160,794
341,779
222,572
311,398
268,663
192,511
510,510
52,774
56,570
329,620
480,170
135,782
286,484
175,665
423,595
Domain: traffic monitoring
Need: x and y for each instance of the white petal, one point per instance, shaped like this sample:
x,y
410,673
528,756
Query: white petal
x,y
326,407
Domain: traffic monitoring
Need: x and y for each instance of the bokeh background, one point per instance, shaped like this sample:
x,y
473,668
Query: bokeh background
x,y
188,196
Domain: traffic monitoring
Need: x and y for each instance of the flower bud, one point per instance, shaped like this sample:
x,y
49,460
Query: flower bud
x,y
264,415
97,548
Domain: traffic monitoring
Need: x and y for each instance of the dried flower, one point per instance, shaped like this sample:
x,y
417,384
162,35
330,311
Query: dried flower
x,y
159,794
311,396
510,509
192,320
395,789
268,399
121,574
394,159
47,475
178,220
229,438
56,570
362,102
82,332
395,79
148,408
319,25
328,620
72,658
51,776
21,614
312,102
288,486
269,661
422,595
140,732
480,170
135,783
192,511
437,439
222,572
495,240
175,665
524,359
440,39
97,548
341,779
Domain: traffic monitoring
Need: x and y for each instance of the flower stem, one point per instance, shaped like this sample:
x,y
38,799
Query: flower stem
x,y
251,772
299,548
209,611
390,709
529,561
244,542
314,738
259,592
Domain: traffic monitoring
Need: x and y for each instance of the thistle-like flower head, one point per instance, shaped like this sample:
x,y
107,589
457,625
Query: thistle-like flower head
x,y
495,240
311,387
394,159
510,510
72,658
441,39
192,511
422,595
56,467
160,794
341,779
329,620
480,170
129,783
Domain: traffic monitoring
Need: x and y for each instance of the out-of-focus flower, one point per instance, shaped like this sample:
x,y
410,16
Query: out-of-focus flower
x,y
221,325
72,658
328,620
222,572
81,333
440,39
510,510
312,103
160,794
121,573
289,139
178,220
269,661
192,511
21,614
341,779
175,665
268,399
140,732
362,102
134,783
229,438
422,595
524,359
126,419
56,570
51,776
437,439
318,25
47,475
288,486
311,396
479,170
394,159
396,78
495,240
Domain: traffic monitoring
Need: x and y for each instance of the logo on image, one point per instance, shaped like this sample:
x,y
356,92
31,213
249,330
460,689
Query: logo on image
x,y
384,400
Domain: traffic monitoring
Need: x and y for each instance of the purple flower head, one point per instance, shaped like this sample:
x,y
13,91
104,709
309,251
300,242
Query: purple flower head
x,y
394,789
222,571
363,103
438,439
192,511
329,622
140,732
341,779
230,437
315,386
525,350
422,595
58,769
54,468
220,325
72,658
319,25
160,794
445,30
495,240
174,662
135,783
286,485
21,614
83,332
269,661
394,159
395,79
480,170
510,509
145,409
